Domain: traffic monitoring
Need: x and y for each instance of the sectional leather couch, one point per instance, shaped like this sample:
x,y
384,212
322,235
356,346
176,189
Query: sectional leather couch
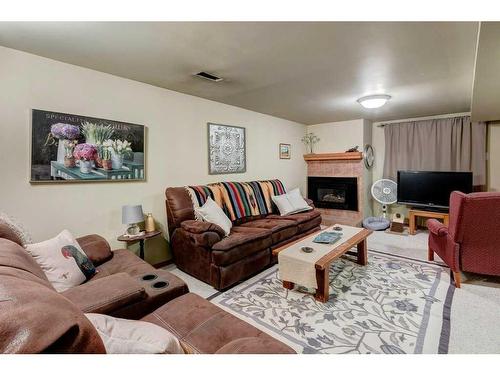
x,y
202,249
35,318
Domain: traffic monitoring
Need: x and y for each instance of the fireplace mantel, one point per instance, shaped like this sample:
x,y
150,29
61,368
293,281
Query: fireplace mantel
x,y
334,156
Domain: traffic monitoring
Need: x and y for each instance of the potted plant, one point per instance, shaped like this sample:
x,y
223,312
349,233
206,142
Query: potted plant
x,y
106,159
62,132
69,159
96,135
118,149
86,153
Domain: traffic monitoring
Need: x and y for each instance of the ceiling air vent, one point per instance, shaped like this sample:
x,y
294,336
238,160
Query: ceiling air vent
x,y
208,76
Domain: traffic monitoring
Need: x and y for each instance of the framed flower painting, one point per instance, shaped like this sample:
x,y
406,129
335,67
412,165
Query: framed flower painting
x,y
74,148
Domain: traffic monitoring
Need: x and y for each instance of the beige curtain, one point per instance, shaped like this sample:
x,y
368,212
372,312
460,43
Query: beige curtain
x,y
450,144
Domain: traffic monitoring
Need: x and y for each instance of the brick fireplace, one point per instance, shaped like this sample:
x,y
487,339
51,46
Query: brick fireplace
x,y
338,183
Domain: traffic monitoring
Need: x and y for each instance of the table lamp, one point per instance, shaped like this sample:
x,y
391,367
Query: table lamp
x,y
132,215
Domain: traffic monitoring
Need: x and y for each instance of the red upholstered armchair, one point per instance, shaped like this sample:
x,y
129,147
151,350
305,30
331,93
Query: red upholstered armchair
x,y
471,242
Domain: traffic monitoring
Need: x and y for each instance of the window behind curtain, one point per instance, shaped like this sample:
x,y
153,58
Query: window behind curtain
x,y
450,144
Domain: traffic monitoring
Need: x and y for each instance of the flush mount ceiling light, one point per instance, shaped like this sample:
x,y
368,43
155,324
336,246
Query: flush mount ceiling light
x,y
373,101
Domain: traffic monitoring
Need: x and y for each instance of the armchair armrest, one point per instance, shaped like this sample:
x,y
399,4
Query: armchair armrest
x,y
96,248
106,294
437,228
203,233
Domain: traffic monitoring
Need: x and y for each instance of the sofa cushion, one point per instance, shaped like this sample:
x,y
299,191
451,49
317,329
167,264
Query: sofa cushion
x,y
281,230
123,261
304,220
203,327
241,242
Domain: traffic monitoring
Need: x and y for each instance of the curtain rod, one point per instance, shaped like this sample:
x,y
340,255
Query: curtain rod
x,y
381,124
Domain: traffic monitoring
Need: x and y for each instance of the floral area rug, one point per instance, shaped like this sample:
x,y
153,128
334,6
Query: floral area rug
x,y
392,305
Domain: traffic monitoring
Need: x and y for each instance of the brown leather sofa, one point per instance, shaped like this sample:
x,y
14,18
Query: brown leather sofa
x,y
35,318
201,249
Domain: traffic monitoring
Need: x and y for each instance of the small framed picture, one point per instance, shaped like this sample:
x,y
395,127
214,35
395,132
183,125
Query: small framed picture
x,y
285,150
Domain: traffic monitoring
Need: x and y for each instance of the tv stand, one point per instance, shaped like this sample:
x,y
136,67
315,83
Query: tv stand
x,y
413,214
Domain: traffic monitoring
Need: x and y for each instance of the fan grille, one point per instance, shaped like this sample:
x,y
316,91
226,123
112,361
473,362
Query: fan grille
x,y
385,191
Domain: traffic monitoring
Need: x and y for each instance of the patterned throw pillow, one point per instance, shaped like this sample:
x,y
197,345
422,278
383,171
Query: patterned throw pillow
x,y
16,227
63,261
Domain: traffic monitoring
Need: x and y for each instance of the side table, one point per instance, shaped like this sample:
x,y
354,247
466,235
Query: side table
x,y
141,240
428,214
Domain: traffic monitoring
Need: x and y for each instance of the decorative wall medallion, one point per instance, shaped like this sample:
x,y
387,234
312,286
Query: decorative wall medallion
x,y
226,149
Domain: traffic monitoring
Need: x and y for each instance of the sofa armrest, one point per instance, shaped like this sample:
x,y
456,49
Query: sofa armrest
x,y
106,294
309,202
203,233
96,248
255,345
437,228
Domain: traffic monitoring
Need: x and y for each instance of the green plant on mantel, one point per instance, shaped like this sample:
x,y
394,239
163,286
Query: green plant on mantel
x,y
310,140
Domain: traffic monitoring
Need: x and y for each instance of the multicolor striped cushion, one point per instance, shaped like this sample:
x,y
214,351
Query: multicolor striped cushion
x,y
239,199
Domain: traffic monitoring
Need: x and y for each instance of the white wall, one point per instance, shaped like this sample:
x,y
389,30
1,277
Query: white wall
x,y
176,146
338,136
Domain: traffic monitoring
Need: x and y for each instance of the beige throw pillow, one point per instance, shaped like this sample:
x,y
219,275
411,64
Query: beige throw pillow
x,y
123,336
64,262
291,203
212,213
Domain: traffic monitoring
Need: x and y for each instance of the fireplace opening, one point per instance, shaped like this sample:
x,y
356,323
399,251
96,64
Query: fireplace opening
x,y
334,192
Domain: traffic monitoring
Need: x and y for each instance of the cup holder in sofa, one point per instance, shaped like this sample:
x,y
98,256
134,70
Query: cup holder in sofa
x,y
160,285
149,277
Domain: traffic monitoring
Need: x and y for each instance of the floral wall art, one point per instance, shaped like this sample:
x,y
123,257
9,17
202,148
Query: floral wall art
x,y
67,147
226,149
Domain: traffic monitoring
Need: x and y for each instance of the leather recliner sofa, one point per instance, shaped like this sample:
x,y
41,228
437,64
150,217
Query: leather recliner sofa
x,y
35,318
202,250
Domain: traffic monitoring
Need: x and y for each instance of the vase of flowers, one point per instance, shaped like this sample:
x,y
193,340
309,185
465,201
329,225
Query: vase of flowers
x,y
310,140
69,146
62,132
85,153
118,149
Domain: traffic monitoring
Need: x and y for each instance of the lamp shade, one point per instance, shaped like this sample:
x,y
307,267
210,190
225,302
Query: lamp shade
x,y
132,214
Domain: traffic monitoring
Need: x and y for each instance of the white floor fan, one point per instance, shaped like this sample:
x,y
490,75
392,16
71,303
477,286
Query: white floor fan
x,y
384,191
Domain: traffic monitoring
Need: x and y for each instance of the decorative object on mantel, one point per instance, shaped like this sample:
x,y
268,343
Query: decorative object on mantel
x,y
226,149
310,140
132,216
149,224
285,151
62,149
353,149
368,156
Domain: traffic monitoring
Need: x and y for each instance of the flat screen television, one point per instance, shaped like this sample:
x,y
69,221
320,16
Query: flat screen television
x,y
431,189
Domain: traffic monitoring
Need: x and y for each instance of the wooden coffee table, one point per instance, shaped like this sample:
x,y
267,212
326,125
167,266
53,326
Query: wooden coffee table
x,y
321,258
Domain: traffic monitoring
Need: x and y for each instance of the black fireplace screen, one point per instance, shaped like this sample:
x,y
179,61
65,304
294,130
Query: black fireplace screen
x,y
334,192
